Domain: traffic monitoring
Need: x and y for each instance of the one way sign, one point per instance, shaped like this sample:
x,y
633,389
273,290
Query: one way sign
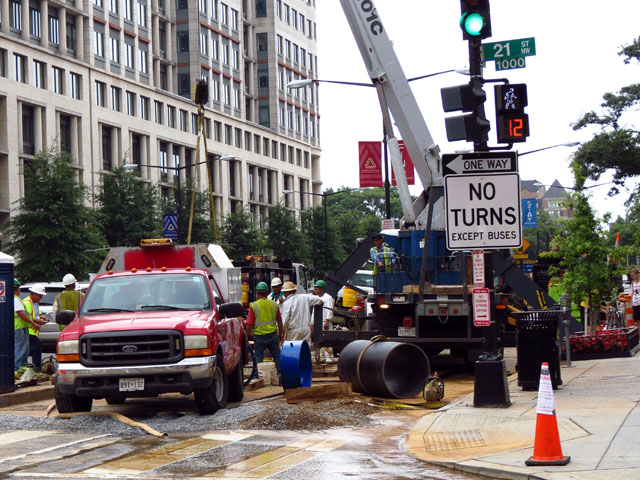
x,y
479,162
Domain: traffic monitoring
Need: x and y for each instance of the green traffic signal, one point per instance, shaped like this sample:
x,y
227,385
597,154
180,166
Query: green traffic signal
x,y
472,23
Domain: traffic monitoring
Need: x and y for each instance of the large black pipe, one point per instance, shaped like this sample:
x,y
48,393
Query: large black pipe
x,y
383,368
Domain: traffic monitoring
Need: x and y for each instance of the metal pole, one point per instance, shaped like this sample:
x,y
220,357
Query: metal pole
x,y
179,205
387,185
326,237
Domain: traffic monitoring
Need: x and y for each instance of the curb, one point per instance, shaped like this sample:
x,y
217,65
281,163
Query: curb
x,y
26,395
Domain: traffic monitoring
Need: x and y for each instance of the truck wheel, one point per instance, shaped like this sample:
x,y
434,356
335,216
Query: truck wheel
x,y
211,399
67,403
236,384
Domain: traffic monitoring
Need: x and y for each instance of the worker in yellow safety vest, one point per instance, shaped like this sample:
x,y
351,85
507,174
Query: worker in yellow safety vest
x,y
382,255
21,323
265,323
32,309
69,299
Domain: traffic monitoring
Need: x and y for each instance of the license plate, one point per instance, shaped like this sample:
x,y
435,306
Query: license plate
x,y
131,384
399,299
406,332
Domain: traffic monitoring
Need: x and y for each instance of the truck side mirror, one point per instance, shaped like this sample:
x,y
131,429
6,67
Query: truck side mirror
x,y
65,317
231,310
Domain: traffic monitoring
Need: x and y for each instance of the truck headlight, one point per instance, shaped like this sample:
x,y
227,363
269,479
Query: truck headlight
x,y
197,346
67,351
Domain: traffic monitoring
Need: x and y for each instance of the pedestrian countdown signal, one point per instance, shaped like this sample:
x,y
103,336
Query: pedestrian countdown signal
x,y
511,121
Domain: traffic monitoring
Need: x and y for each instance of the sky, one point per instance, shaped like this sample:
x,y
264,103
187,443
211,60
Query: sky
x,y
576,62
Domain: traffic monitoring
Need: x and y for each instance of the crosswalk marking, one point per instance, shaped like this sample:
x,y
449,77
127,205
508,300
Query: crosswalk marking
x,y
278,460
21,436
162,456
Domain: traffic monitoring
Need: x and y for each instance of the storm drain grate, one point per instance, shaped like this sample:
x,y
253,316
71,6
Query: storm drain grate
x,y
440,441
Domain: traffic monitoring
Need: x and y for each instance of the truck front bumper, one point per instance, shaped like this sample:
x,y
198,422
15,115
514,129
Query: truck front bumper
x,y
98,382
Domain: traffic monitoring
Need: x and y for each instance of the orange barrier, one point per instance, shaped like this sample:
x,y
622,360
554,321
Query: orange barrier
x,y
546,448
628,310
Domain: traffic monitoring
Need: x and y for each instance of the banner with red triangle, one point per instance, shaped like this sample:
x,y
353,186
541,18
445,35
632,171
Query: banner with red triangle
x,y
370,162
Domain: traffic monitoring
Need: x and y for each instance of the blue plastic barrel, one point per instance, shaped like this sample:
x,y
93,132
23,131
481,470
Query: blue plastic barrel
x,y
295,364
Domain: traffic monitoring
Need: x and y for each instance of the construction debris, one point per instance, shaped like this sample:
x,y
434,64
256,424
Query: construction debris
x,y
318,392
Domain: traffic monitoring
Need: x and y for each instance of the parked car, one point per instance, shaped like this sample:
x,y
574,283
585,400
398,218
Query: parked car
x,y
50,331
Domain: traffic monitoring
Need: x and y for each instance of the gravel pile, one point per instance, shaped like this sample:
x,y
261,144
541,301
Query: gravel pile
x,y
264,415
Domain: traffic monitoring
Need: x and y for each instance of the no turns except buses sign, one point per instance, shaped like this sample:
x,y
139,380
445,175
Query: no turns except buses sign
x,y
483,211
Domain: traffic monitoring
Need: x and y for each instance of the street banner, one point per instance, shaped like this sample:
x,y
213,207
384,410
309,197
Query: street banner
x,y
529,213
408,166
370,161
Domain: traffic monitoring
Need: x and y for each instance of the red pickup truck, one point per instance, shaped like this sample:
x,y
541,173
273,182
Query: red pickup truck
x,y
143,332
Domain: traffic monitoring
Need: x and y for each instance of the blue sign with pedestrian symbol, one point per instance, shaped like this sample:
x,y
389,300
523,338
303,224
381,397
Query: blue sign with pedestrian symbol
x,y
529,213
171,226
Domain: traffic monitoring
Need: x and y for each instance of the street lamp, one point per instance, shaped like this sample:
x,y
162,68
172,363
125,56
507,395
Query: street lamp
x,y
295,84
324,203
568,144
133,166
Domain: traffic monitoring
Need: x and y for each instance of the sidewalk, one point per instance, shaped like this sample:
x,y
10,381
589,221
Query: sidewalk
x,y
598,420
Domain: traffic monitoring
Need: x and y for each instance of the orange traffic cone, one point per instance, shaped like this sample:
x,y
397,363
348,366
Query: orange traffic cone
x,y
546,449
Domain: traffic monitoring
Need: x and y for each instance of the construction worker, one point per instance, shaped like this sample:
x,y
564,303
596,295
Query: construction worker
x,y
265,323
69,299
32,308
327,311
276,290
21,324
382,255
296,313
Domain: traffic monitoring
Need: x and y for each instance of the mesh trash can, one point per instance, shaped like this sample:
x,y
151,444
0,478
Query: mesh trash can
x,y
536,342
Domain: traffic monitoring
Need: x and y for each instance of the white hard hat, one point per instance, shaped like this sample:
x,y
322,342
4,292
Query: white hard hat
x,y
68,279
276,281
38,288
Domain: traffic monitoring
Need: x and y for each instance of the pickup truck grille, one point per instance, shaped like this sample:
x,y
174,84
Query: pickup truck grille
x,y
146,347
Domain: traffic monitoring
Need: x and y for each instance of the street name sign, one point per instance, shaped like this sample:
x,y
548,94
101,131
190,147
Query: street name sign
x,y
521,47
510,63
483,211
479,162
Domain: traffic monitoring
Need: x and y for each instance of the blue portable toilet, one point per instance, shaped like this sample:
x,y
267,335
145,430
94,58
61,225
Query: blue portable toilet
x,y
7,383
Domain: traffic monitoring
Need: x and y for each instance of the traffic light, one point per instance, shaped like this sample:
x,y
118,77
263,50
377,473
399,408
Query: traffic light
x,y
475,19
511,122
467,98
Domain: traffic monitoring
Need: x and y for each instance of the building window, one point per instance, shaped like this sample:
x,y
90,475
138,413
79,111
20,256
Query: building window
x,y
58,80
101,89
128,9
130,62
274,149
217,131
72,37
194,123
225,54
144,61
224,14
113,6
144,108
65,133
99,47
54,28
184,115
215,89
183,41
19,63
142,15
34,22
162,158
116,94
234,19
184,85
204,44
171,116
261,8
106,148
158,108
28,129
115,49
227,94
236,59
202,6
261,40
76,86
131,104
39,77
236,98
238,138
15,20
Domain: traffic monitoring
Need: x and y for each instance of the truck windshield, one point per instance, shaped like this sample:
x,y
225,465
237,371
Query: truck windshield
x,y
169,291
363,279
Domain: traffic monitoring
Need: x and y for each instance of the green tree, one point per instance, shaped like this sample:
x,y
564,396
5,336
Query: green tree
x,y
322,259
239,237
128,209
585,270
616,147
201,224
283,236
540,237
55,233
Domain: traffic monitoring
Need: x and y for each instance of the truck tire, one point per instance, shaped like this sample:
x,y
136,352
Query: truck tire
x,y
236,384
211,399
67,403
